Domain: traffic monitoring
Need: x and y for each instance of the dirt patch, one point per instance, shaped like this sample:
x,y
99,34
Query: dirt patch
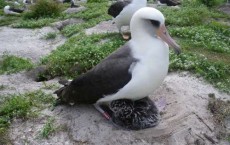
x,y
185,119
21,83
225,8
28,43
61,24
103,27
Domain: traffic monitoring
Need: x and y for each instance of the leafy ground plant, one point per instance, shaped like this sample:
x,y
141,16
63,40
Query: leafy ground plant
x,y
48,128
21,106
92,16
2,4
43,8
80,53
11,64
50,35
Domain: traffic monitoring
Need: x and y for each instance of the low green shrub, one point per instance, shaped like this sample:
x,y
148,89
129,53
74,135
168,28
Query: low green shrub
x,y
96,1
12,64
80,53
211,3
2,4
50,35
217,73
44,8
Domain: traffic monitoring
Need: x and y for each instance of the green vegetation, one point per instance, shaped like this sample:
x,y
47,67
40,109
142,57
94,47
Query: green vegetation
x,y
217,73
80,53
48,128
43,8
49,86
50,35
21,106
2,4
11,64
204,41
31,23
211,3
33,19
92,15
96,1
9,19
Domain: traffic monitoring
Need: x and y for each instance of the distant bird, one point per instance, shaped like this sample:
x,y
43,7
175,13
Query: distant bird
x,y
169,2
66,1
72,5
12,11
133,71
17,3
27,1
122,11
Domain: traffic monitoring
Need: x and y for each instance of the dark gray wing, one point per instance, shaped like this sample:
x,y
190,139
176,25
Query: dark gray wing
x,y
110,75
170,2
16,10
116,8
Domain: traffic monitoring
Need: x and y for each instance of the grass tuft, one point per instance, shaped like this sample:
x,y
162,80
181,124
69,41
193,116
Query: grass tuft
x,y
21,106
48,128
50,35
216,73
12,64
32,23
2,4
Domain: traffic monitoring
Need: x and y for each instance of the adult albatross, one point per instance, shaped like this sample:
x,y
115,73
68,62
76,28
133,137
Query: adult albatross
x,y
122,11
133,71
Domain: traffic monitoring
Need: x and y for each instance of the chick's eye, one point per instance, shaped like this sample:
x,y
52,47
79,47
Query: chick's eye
x,y
165,32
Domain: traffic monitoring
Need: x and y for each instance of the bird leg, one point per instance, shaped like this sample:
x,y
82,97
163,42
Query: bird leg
x,y
125,36
102,111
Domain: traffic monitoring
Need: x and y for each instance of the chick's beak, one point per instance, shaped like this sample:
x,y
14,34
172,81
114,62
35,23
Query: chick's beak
x,y
164,35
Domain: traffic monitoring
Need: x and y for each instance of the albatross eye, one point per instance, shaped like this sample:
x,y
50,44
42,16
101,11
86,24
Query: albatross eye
x,y
155,23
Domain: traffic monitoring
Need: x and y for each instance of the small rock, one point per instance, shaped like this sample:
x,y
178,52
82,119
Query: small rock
x,y
61,24
102,27
74,10
211,95
38,74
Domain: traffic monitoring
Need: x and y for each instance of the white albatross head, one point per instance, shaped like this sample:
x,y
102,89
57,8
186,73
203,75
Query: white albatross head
x,y
151,21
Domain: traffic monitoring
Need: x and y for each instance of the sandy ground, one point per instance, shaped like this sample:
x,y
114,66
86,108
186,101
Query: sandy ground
x,y
184,120
28,43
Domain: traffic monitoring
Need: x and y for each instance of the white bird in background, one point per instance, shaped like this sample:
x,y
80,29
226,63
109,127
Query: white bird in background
x,y
122,11
12,11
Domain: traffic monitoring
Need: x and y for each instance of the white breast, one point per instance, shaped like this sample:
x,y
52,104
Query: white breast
x,y
147,74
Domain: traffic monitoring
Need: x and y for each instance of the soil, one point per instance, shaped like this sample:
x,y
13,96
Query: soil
x,y
28,43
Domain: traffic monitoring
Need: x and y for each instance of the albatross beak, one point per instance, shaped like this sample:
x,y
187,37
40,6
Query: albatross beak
x,y
164,35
